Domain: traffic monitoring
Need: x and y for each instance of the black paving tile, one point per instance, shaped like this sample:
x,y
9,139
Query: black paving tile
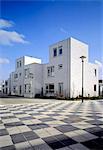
x,y
95,122
93,129
66,128
38,126
13,124
30,135
56,145
65,140
26,118
47,119
96,144
17,138
11,147
42,147
3,132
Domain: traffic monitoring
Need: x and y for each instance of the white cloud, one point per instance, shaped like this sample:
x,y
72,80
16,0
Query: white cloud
x,y
5,23
4,61
10,37
63,30
98,63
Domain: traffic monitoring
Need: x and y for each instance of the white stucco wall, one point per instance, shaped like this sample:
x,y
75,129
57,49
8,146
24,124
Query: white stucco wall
x,y
36,81
91,80
79,49
29,60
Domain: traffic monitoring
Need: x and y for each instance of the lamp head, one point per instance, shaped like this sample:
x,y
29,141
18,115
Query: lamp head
x,y
82,57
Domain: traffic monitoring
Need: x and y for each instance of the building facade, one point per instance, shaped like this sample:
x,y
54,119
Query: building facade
x,y
62,76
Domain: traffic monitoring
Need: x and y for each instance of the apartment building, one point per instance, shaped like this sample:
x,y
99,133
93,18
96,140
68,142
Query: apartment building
x,y
5,87
61,76
22,79
63,73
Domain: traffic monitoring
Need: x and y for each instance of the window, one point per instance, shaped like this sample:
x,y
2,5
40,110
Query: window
x,y
100,81
95,72
15,76
19,74
26,73
20,63
95,87
60,88
60,50
31,75
17,64
49,88
6,83
55,52
20,89
60,66
50,71
27,88
14,89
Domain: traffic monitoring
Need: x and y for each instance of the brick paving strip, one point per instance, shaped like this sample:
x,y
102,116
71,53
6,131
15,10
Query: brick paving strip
x,y
57,125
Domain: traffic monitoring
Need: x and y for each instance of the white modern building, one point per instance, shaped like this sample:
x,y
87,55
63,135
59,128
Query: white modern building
x,y
63,73
62,76
22,79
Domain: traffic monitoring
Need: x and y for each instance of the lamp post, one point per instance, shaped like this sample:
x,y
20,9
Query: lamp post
x,y
82,58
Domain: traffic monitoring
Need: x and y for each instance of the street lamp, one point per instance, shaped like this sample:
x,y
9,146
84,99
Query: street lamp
x,y
82,58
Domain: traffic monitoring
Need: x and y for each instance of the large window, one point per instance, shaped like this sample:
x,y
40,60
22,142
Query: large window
x,y
50,71
55,52
49,88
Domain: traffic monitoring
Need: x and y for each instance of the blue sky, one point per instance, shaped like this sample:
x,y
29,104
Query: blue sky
x,y
37,24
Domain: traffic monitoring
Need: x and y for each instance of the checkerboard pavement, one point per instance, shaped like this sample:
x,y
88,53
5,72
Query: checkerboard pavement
x,y
58,125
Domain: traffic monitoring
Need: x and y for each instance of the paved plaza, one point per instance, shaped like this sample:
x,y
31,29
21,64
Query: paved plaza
x,y
51,125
